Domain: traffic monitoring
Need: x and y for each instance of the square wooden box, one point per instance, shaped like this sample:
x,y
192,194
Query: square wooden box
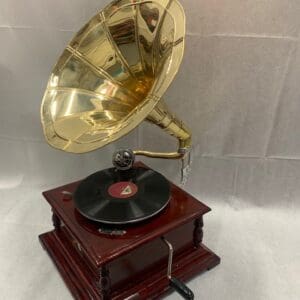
x,y
95,265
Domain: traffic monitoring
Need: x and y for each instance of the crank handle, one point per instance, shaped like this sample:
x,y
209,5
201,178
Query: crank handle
x,y
178,285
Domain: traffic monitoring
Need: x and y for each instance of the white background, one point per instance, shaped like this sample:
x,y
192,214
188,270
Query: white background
x,y
238,90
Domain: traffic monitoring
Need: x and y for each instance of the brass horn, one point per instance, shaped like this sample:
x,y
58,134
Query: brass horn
x,y
112,76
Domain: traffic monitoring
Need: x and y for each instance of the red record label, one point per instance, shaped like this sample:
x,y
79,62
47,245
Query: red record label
x,y
122,189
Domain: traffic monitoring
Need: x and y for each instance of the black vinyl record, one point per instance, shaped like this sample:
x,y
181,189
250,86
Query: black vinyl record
x,y
121,197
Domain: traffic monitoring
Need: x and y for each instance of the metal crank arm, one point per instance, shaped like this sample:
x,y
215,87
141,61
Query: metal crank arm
x,y
175,283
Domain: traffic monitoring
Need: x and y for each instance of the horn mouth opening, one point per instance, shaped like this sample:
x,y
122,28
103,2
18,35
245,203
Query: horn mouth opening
x,y
112,74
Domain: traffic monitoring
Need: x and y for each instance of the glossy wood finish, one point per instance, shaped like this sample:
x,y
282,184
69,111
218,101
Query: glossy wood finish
x,y
100,266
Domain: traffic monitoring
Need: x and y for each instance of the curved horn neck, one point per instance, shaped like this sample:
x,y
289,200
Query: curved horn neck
x,y
161,117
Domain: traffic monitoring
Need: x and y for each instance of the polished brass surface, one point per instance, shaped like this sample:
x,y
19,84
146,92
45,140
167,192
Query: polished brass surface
x,y
112,76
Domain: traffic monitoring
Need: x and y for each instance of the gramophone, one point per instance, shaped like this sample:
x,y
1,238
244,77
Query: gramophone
x,y
125,232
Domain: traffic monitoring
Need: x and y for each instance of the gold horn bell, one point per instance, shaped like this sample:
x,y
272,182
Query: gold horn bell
x,y
112,76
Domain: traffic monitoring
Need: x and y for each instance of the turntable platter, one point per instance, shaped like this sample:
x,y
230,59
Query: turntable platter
x,y
108,198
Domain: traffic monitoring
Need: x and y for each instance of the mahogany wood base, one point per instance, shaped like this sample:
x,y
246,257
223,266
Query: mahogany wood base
x,y
100,264
80,281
